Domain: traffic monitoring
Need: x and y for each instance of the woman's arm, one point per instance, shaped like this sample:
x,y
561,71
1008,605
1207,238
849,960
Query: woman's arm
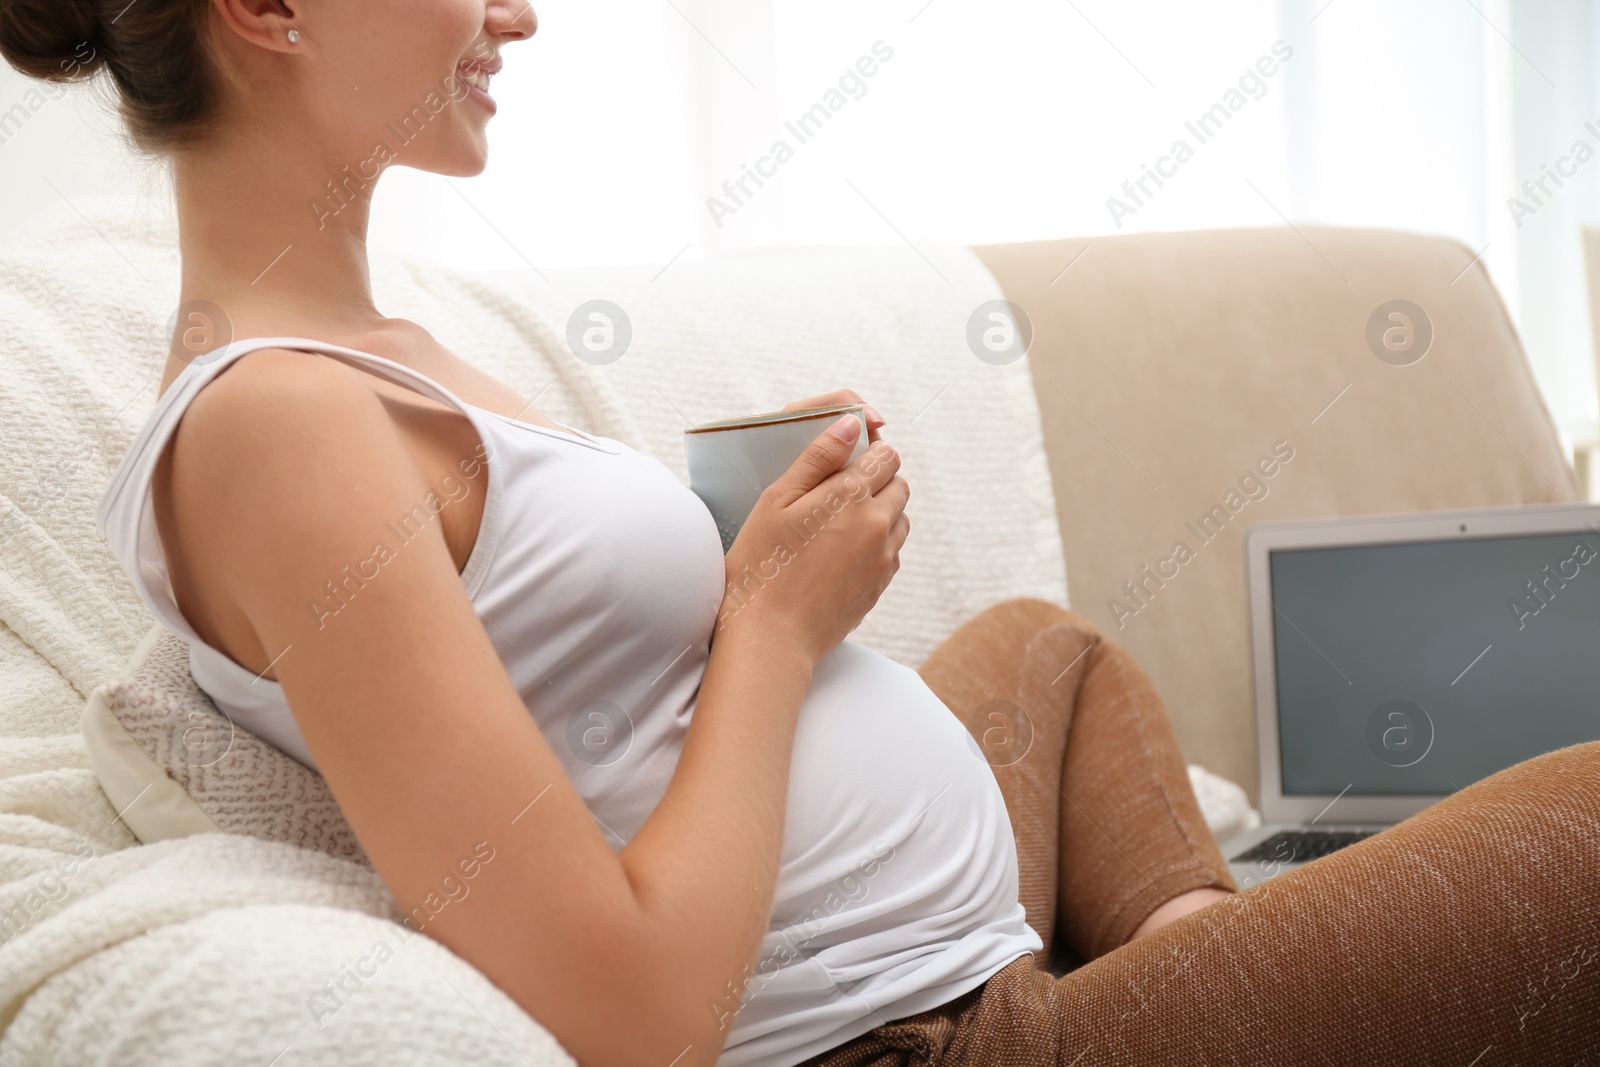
x,y
627,958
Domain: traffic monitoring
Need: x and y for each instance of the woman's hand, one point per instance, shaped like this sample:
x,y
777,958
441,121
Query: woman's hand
x,y
821,544
842,396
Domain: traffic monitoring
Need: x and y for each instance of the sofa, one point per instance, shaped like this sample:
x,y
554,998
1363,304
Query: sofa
x,y
1167,364
1064,408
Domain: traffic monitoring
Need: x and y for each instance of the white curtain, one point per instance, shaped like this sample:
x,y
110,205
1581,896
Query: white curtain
x,y
1431,116
1554,174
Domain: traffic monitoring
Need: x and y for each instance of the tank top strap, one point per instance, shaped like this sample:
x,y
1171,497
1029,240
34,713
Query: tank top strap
x,y
211,364
123,512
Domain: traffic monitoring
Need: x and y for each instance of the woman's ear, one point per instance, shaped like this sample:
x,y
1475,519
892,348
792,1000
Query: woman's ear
x,y
270,24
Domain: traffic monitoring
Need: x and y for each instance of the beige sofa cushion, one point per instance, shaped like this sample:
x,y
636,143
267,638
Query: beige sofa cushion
x,y
1168,365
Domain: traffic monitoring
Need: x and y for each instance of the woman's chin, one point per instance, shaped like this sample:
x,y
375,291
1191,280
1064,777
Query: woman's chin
x,y
473,167
466,161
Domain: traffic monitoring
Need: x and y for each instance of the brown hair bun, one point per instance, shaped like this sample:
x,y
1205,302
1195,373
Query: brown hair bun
x,y
53,39
157,52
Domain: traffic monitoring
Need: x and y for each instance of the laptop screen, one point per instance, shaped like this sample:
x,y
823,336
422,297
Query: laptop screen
x,y
1422,667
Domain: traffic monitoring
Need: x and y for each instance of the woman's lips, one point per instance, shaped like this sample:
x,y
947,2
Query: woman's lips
x,y
475,77
481,97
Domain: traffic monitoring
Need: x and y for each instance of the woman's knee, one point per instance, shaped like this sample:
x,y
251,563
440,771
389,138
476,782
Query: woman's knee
x,y
1575,768
1023,613
995,641
1566,782
1570,774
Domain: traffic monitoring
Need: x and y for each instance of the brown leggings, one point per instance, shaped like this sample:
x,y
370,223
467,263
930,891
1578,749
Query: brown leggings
x,y
1467,936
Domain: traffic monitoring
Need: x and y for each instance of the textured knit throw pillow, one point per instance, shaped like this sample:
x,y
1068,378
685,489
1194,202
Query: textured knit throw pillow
x,y
174,764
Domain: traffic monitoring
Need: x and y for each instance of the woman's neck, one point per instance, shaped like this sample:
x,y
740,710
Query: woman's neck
x,y
264,237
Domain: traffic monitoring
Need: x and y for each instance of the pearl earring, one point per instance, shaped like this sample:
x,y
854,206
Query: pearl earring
x,y
294,36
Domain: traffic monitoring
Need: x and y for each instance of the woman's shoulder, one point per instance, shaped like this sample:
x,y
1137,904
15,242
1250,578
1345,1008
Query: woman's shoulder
x,y
280,422
281,464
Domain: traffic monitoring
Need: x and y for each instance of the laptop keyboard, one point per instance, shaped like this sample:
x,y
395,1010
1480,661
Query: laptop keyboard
x,y
1301,846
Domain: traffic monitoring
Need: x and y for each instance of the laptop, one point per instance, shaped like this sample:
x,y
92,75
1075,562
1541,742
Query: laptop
x,y
1400,658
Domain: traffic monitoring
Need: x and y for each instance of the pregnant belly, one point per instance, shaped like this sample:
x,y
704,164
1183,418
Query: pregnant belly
x,y
897,843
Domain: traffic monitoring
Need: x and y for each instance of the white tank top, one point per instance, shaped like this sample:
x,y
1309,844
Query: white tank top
x,y
897,890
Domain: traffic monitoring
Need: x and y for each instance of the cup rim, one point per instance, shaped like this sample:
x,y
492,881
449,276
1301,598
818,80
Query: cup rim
x,y
774,418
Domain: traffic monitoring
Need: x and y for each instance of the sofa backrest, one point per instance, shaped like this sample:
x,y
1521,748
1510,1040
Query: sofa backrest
x,y
1176,369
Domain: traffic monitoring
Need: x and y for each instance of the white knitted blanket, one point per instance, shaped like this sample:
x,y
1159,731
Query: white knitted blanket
x,y
215,948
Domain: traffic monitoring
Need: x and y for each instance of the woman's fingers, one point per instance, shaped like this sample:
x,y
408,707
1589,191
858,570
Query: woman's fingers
x,y
869,475
838,396
842,396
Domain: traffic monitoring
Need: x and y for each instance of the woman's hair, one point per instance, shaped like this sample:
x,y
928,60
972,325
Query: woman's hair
x,y
156,51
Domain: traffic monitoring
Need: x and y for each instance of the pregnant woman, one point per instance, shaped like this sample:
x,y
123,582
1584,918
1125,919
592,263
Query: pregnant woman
x,y
722,833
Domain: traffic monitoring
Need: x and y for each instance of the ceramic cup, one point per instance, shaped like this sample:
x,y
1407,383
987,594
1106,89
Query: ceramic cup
x,y
733,460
